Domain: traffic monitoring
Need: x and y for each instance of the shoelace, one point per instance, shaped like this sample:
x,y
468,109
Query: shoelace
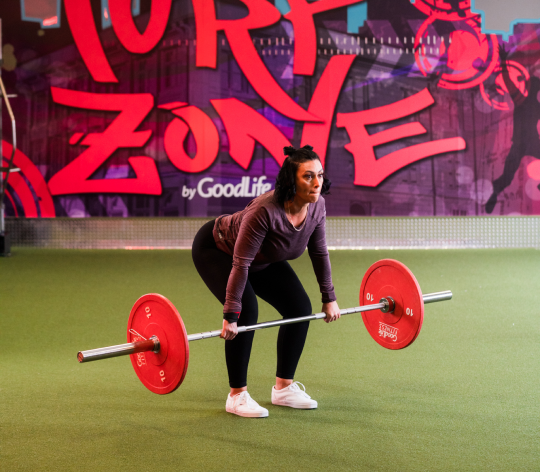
x,y
244,397
295,388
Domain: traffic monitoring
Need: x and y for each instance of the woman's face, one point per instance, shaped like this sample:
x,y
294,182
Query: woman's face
x,y
309,180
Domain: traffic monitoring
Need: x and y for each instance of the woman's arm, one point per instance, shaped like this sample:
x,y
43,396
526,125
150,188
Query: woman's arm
x,y
320,259
253,230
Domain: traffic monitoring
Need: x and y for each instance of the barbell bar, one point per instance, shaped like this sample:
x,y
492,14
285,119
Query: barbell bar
x,y
152,344
159,344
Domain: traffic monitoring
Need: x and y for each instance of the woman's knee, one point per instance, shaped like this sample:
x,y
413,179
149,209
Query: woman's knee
x,y
297,305
280,287
250,307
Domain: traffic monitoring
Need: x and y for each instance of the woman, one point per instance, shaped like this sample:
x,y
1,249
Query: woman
x,y
245,255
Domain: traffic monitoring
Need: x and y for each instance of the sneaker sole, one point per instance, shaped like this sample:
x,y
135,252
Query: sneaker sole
x,y
248,415
304,406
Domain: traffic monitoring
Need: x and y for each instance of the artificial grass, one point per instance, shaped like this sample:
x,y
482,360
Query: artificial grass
x,y
463,397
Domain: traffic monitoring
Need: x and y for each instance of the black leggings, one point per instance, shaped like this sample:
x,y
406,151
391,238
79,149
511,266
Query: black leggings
x,y
277,284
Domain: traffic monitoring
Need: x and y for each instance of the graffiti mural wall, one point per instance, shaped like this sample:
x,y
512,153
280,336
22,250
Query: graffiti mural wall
x,y
182,108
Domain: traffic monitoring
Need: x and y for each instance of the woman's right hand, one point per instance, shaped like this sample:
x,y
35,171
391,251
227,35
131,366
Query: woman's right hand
x,y
229,331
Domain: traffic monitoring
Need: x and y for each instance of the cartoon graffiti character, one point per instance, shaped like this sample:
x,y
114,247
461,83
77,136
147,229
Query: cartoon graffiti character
x,y
525,139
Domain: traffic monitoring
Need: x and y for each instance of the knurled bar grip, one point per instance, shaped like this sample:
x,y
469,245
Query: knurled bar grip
x,y
428,298
152,344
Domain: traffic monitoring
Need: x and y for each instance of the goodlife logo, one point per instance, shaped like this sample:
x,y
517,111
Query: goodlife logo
x,y
387,331
246,188
141,359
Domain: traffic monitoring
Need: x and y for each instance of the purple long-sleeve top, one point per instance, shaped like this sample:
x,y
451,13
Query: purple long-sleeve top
x,y
261,234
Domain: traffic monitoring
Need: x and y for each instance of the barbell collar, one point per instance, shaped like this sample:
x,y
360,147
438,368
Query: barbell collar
x,y
389,304
151,344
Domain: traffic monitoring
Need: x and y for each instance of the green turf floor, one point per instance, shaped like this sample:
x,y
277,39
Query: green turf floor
x,y
464,397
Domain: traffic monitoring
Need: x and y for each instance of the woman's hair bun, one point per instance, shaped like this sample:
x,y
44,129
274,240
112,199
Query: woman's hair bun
x,y
308,147
288,150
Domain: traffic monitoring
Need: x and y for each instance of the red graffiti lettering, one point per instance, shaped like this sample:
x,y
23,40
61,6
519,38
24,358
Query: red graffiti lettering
x,y
370,171
261,14
323,104
305,35
23,192
82,25
206,138
35,179
245,126
133,108
127,32
83,29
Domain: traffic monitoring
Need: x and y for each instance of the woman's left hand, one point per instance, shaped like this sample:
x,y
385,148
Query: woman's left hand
x,y
332,311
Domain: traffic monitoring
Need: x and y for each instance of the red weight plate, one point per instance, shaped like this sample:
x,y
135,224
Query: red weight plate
x,y
391,278
154,315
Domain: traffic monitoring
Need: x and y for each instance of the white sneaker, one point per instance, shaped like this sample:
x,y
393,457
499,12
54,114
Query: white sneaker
x,y
293,396
243,405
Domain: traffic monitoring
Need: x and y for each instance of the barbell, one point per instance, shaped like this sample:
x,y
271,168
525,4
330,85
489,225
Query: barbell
x,y
158,344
